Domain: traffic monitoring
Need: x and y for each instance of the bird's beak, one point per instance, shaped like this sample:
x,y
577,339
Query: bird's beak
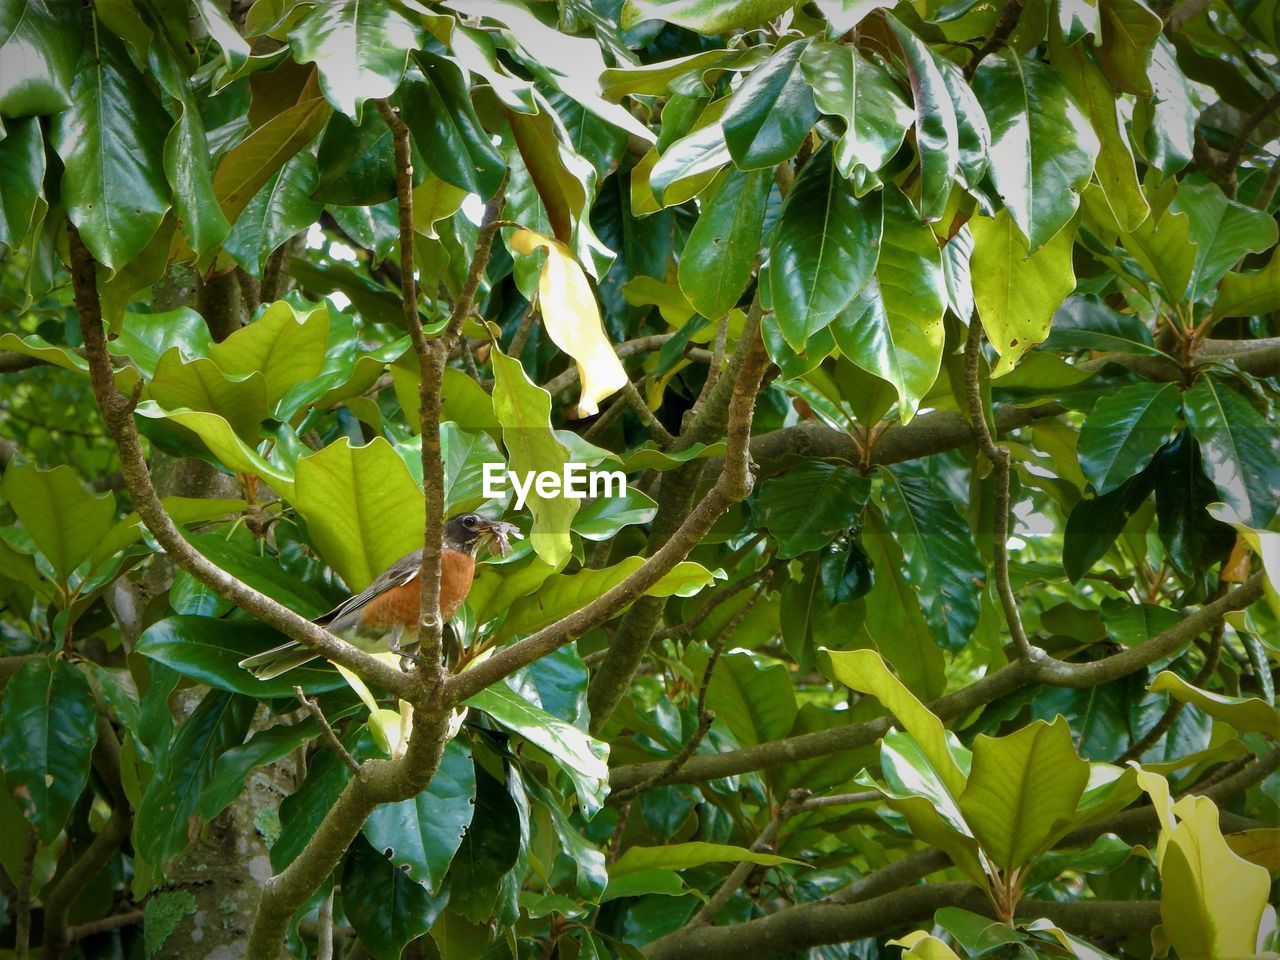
x,y
500,534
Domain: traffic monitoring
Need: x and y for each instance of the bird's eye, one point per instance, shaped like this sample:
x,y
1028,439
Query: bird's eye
x,y
469,521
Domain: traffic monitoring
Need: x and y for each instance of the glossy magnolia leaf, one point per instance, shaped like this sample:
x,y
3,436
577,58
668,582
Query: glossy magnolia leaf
x,y
1246,293
1212,900
386,908
1096,521
1245,714
921,946
562,594
771,112
685,856
848,85
356,162
209,651
423,833
582,757
1022,791
1241,448
703,16
572,320
279,211
1114,167
233,767
1164,127
824,249
200,385
223,443
111,143
687,165
246,167
865,671
362,507
1129,32
1223,231
285,345
893,328
360,50
1194,539
808,507
755,700
447,131
172,798
22,172
940,557
937,130
65,521
721,252
1015,292
1124,430
524,410
48,727
1164,249
895,623
40,43
1042,146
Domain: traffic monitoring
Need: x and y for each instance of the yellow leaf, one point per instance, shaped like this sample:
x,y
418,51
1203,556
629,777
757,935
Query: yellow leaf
x,y
920,944
572,319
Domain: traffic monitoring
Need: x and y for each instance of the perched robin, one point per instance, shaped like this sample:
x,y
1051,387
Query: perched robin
x,y
384,616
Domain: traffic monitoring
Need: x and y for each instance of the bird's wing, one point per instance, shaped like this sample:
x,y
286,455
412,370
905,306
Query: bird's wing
x,y
398,574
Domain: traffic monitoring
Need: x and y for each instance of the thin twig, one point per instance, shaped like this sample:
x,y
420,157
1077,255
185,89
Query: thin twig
x,y
521,336
647,416
326,730
324,945
1175,708
999,457
1231,162
105,925
720,597
842,800
791,806
1004,27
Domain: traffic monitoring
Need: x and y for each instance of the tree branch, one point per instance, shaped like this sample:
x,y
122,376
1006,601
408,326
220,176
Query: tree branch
x,y
326,731
999,457
117,414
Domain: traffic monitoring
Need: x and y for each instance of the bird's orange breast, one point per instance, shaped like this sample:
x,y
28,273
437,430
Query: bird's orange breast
x,y
399,604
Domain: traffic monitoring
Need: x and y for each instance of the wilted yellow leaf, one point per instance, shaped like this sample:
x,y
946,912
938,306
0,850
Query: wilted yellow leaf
x,y
572,319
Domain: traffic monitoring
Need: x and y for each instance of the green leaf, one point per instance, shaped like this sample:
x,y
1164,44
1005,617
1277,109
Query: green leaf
x,y
235,49
718,258
1194,540
493,845
1023,790
1015,292
386,908
755,700
848,85
359,48
865,671
111,143
524,410
233,766
1129,31
564,593
1164,127
1124,430
806,508
690,163
40,44
210,651
1096,521
582,757
63,518
703,16
895,623
893,328
1241,448
1164,249
824,249
937,131
1042,146
356,162
1223,231
279,211
200,385
187,155
223,443
160,828
685,856
771,112
422,834
362,507
285,344
447,131
1251,293
940,557
1245,714
48,727
22,172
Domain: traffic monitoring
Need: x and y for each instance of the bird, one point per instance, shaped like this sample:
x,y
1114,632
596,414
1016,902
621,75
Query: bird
x,y
384,615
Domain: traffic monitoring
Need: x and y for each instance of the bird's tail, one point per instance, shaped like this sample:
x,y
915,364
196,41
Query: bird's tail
x,y
271,663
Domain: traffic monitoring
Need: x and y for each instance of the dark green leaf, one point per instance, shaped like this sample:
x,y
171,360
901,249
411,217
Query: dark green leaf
x,y
808,507
39,47
1129,31
770,114
824,249
1124,430
233,766
489,850
447,131
718,258
937,131
386,908
703,16
1223,232
48,727
1195,540
1241,448
22,173
1096,521
279,211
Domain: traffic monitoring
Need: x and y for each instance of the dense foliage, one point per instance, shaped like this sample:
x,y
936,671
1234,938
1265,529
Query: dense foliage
x,y
937,341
